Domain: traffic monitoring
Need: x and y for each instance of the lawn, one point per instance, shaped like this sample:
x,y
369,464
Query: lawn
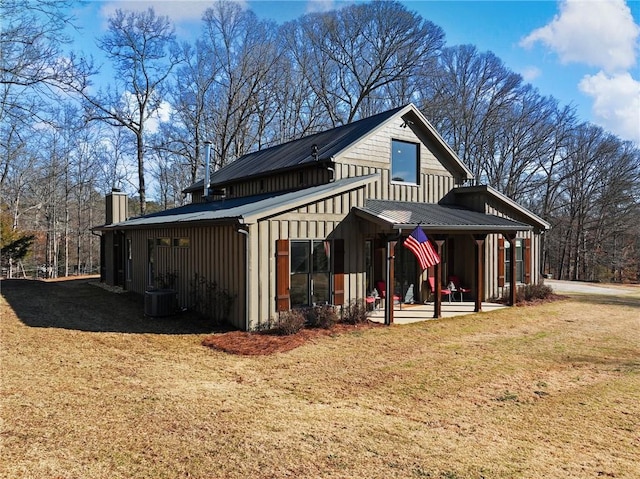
x,y
92,389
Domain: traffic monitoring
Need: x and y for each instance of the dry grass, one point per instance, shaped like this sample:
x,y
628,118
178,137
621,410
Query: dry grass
x,y
91,389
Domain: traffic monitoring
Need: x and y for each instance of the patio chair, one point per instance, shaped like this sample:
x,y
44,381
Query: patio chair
x,y
443,291
458,287
381,286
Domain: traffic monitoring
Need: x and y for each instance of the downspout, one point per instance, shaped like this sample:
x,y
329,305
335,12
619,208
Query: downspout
x,y
245,232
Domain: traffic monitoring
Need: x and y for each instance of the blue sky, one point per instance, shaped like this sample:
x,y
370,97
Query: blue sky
x,y
583,52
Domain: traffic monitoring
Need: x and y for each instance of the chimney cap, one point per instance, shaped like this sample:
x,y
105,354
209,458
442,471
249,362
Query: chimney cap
x,y
116,190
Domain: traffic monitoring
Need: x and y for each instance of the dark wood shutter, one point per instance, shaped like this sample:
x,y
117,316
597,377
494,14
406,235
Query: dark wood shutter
x,y
527,260
500,261
338,271
282,275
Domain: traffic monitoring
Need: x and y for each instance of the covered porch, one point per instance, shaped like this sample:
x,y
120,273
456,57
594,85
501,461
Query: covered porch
x,y
446,226
413,313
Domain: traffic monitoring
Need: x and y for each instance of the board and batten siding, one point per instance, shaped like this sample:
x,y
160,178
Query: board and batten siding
x,y
215,253
373,155
330,218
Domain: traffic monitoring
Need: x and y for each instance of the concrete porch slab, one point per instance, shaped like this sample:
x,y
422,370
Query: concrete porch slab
x,y
412,313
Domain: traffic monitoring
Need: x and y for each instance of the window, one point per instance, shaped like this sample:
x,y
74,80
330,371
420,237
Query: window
x,y
404,162
519,261
523,261
163,242
181,242
310,273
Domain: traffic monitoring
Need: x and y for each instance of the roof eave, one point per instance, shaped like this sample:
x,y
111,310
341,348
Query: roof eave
x,y
541,223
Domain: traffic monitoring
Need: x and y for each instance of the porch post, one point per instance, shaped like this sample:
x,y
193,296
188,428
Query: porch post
x,y
437,279
390,280
511,238
479,269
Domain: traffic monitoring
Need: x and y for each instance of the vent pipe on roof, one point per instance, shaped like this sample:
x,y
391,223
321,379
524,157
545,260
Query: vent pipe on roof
x,y
207,162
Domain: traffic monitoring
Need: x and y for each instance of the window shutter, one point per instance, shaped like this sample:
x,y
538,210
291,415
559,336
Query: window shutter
x,y
282,275
338,271
501,262
527,260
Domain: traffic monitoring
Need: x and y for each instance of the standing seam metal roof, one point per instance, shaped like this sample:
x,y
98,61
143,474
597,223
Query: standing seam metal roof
x,y
296,152
239,210
399,214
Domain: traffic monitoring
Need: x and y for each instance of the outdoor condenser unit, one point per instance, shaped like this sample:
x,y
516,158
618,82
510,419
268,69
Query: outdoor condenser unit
x,y
159,303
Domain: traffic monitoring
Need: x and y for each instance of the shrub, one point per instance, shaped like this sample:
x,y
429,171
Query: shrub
x,y
289,322
356,312
323,316
528,292
209,299
531,292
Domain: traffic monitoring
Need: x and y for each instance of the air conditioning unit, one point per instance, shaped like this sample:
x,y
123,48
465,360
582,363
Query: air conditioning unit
x,y
159,303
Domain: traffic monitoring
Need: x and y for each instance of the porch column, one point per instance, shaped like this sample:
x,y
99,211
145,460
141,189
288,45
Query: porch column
x,y
478,239
511,238
390,280
437,280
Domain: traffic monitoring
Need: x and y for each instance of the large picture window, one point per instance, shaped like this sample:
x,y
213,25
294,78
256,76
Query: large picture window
x,y
310,273
404,162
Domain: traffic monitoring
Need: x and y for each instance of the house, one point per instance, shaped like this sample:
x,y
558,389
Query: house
x,y
321,219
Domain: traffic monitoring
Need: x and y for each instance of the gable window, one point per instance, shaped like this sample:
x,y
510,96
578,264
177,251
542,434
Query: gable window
x,y
404,162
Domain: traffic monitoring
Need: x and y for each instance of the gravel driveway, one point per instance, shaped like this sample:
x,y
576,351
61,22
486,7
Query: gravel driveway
x,y
588,288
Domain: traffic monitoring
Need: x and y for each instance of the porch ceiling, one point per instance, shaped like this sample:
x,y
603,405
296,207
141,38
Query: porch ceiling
x,y
435,218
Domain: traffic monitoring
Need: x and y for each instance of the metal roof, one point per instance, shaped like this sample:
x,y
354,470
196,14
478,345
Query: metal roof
x,y
241,210
490,192
435,217
296,152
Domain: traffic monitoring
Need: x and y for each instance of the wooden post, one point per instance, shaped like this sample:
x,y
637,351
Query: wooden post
x,y
511,238
437,279
390,280
479,270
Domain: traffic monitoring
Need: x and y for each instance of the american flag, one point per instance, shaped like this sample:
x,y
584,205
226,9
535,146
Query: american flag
x,y
420,246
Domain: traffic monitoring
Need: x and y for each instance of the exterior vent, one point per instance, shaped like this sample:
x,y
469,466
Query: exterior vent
x,y
159,303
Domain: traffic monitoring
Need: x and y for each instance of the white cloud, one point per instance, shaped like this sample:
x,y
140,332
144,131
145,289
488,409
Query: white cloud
x,y
318,6
600,33
530,73
177,10
616,103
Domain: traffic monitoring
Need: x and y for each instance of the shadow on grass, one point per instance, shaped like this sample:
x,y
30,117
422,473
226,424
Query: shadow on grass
x,y
622,300
80,305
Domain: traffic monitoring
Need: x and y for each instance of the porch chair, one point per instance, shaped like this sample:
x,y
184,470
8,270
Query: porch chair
x,y
443,291
381,286
458,287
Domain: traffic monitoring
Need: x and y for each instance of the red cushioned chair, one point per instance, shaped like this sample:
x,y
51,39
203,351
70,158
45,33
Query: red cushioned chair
x,y
459,288
381,286
443,291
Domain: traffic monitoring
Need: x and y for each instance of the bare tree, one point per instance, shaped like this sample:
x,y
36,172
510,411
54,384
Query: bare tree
x,y
354,54
183,136
467,99
141,46
244,52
